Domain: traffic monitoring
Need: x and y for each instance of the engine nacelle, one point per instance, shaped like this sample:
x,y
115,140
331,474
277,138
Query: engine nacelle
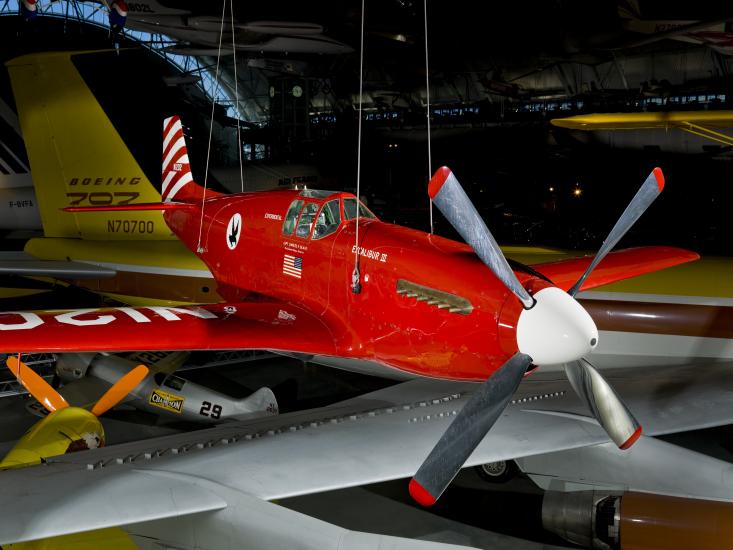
x,y
638,521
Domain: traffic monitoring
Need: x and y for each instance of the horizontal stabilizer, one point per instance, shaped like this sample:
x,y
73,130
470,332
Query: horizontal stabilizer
x,y
261,403
133,207
24,265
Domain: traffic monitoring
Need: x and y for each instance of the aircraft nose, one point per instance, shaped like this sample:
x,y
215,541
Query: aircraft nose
x,y
556,330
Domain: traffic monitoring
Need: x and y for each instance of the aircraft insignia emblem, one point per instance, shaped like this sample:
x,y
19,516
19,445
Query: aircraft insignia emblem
x,y
234,229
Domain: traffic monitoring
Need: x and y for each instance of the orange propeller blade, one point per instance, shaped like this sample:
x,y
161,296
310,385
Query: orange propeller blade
x,y
36,386
120,390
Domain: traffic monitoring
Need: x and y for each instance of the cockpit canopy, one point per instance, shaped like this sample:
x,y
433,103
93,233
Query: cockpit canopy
x,y
317,193
317,214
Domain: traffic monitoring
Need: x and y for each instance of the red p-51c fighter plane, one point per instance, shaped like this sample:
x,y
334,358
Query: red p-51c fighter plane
x,y
314,273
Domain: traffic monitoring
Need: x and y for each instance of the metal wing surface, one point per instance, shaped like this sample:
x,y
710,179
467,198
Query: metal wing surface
x,y
616,266
380,436
251,325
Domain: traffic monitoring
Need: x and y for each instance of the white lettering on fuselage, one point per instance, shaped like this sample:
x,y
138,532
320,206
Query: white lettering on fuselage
x,y
135,314
276,217
295,247
70,318
171,313
369,253
32,320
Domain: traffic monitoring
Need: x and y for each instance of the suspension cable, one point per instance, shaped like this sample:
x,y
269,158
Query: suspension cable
x,y
199,248
427,107
236,99
356,276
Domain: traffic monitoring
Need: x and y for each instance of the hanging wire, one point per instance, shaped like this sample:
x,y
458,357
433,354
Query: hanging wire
x,y
427,107
199,248
356,276
236,99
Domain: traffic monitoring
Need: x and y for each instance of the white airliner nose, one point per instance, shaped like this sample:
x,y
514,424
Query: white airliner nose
x,y
556,330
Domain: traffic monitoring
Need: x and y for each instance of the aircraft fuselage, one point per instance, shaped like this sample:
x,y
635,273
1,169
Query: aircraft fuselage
x,y
427,305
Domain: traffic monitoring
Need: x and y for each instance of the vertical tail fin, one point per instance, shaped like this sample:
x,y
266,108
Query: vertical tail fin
x,y
77,157
178,181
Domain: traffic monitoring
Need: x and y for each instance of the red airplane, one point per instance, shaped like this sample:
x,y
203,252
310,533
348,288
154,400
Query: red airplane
x,y
314,273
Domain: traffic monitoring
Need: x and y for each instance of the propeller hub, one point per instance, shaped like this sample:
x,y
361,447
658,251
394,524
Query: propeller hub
x,y
556,330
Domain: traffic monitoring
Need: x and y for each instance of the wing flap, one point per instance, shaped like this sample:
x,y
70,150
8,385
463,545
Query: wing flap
x,y
137,207
254,325
617,266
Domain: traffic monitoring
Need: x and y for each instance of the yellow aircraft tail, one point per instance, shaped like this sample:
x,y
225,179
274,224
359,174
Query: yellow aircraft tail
x,y
77,157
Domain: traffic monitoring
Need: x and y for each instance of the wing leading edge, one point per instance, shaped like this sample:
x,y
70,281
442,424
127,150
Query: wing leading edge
x,y
617,266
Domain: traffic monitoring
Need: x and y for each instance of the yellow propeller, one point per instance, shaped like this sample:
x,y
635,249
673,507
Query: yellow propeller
x,y
66,428
119,390
53,401
36,386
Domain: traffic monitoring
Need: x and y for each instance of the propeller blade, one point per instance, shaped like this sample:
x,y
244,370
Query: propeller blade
x,y
650,190
36,386
119,390
467,430
448,195
605,404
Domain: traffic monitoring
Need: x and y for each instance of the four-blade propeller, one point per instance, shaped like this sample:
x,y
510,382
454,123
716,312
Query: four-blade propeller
x,y
448,195
553,328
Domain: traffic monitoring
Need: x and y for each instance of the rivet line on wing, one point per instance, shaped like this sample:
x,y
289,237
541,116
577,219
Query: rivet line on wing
x,y
538,397
199,446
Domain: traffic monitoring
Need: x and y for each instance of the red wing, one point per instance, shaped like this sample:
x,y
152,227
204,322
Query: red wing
x,y
257,325
617,266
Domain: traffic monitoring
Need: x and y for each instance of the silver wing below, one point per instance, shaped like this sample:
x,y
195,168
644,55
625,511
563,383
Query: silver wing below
x,y
377,437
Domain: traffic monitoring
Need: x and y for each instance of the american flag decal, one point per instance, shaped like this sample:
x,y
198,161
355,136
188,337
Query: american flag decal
x,y
292,265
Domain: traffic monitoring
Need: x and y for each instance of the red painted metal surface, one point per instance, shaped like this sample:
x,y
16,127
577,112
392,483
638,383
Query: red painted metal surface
x,y
293,293
252,325
617,266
